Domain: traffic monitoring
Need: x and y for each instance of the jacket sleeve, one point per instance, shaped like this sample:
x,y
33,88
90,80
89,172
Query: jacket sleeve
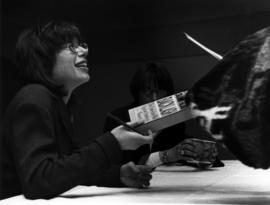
x,y
43,172
109,125
111,178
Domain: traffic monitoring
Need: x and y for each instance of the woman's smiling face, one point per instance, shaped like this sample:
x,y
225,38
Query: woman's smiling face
x,y
70,68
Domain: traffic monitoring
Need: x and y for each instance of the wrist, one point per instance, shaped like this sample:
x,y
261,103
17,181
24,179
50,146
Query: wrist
x,y
163,155
117,137
154,160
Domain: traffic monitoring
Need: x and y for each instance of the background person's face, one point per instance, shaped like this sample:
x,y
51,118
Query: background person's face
x,y
150,95
71,68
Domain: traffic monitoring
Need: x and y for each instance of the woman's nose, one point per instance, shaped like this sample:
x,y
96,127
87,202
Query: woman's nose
x,y
82,51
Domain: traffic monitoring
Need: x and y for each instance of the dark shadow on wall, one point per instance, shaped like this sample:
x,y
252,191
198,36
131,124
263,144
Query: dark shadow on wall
x,y
9,82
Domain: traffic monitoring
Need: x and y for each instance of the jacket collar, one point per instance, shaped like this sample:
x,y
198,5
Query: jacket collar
x,y
66,118
65,115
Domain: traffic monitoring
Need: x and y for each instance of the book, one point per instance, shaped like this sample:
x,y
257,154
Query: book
x,y
161,113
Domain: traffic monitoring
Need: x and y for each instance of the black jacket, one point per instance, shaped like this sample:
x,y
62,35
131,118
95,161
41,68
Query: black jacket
x,y
39,159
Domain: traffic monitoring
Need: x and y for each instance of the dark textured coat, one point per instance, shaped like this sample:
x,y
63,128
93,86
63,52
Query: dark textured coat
x,y
38,157
240,82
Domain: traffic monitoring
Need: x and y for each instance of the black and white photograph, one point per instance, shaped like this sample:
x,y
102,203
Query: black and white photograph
x,y
135,102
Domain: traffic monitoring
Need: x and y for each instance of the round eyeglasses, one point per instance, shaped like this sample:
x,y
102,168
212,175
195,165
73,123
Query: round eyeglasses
x,y
75,48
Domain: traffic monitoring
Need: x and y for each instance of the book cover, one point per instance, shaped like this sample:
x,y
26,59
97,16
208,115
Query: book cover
x,y
162,113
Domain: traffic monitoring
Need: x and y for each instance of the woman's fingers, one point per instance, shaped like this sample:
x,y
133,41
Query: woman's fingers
x,y
135,123
143,175
188,147
187,153
143,184
147,139
145,168
154,134
143,180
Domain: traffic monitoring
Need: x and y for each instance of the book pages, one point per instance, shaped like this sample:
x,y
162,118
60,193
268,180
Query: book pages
x,y
161,113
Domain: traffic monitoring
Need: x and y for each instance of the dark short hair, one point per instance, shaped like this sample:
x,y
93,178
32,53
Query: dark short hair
x,y
36,51
151,72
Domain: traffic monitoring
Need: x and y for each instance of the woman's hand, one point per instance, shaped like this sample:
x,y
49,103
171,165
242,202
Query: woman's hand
x,y
137,176
130,140
185,150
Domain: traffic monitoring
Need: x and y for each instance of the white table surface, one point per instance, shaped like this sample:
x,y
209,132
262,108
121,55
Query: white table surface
x,y
233,184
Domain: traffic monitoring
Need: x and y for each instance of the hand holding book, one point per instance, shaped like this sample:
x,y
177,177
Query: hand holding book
x,y
128,137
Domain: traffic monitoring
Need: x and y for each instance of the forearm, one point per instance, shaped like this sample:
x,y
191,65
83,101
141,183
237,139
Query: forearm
x,y
111,178
45,176
39,139
44,169
154,160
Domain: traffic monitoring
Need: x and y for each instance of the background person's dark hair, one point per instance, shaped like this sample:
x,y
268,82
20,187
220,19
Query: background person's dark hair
x,y
151,73
36,50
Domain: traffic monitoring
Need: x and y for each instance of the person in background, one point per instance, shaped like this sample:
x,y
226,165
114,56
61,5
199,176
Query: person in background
x,y
149,83
38,158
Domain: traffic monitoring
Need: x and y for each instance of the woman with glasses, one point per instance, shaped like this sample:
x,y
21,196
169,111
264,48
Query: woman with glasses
x,y
38,157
